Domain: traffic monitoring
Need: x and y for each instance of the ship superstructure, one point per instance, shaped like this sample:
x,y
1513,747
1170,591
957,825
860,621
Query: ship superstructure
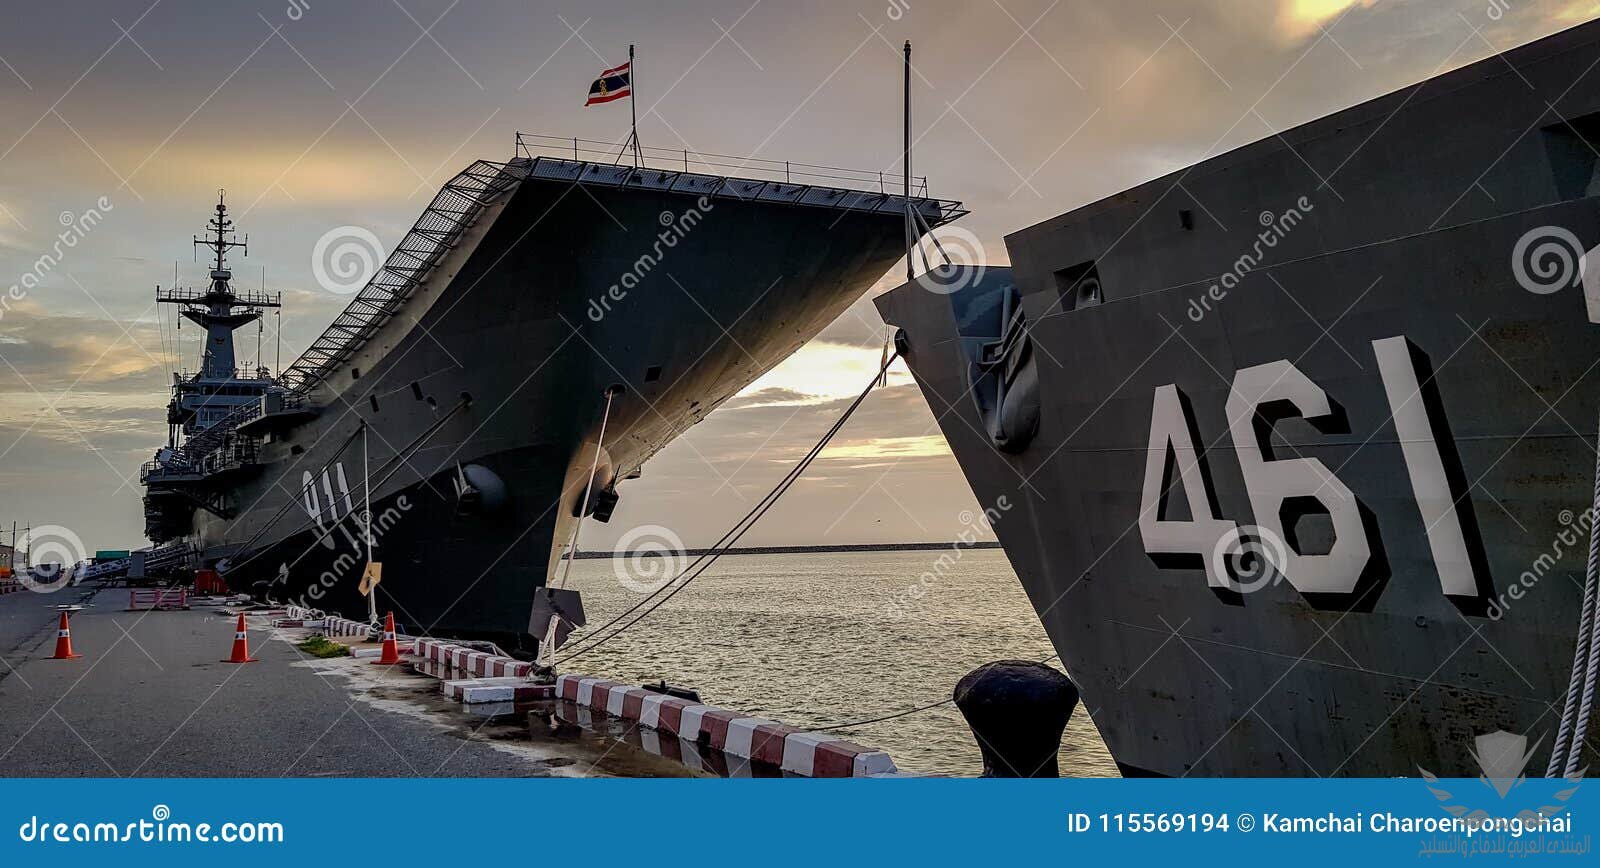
x,y
190,472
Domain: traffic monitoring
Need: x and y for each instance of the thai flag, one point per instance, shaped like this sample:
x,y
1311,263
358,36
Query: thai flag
x,y
613,84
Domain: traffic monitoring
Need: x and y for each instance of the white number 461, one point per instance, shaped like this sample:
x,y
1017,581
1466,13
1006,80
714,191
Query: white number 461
x,y
1270,483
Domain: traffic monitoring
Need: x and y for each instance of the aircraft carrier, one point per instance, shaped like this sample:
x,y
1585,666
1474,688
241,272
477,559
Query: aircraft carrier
x,y
1294,449
549,323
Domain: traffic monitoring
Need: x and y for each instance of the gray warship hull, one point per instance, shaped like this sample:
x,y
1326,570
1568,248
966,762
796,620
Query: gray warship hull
x,y
469,400
1366,340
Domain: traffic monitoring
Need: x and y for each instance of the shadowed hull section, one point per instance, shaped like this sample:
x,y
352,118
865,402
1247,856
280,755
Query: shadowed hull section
x,y
1376,387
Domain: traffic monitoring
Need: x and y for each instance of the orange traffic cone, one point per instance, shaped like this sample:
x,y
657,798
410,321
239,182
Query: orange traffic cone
x,y
391,649
64,641
241,645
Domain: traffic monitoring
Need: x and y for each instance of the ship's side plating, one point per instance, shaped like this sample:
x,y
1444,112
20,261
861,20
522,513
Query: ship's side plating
x,y
474,409
1322,338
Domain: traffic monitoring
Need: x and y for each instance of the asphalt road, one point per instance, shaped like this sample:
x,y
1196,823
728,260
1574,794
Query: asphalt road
x,y
150,697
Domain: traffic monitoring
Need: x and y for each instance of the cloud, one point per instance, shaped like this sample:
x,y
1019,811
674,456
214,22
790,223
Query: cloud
x,y
768,397
1300,19
52,354
1576,11
925,446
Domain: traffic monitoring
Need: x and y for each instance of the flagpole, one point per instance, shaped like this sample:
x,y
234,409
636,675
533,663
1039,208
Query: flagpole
x,y
911,232
633,105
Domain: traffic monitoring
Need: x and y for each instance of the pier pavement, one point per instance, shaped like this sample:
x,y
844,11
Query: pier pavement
x,y
151,697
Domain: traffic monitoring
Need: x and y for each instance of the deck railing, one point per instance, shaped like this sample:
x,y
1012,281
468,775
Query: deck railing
x,y
532,145
455,208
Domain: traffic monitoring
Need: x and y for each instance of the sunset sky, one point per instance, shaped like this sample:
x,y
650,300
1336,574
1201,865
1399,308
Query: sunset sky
x,y
317,114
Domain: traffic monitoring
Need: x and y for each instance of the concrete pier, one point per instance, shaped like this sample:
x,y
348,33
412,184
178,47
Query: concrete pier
x,y
150,697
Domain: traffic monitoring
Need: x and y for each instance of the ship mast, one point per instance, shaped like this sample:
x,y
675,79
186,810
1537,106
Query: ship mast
x,y
208,396
219,310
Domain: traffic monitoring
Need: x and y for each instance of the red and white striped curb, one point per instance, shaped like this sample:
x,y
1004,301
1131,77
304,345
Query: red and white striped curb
x,y
345,627
331,625
477,663
803,753
474,691
402,644
297,622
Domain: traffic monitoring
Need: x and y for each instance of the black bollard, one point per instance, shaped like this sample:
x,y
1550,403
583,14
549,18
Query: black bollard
x,y
1017,710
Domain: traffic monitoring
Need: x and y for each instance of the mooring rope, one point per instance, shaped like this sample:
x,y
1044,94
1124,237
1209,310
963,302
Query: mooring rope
x,y
289,502
1585,657
908,712
416,444
583,510
704,562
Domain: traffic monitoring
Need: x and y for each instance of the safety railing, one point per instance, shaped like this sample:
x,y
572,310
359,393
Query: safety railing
x,y
533,145
455,208
145,599
191,295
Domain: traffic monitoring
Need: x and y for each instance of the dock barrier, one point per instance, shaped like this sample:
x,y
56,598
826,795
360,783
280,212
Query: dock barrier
x,y
476,677
803,753
141,599
476,663
495,678
334,626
